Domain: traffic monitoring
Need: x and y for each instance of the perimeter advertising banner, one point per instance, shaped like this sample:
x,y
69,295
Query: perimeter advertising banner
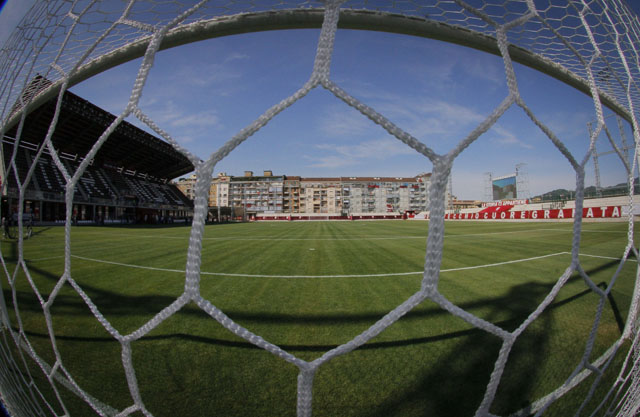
x,y
587,213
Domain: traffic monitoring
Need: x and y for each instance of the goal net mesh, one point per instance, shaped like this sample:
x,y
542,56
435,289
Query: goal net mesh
x,y
591,45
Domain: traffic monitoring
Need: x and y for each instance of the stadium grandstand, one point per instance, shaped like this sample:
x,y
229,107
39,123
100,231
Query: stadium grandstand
x,y
127,181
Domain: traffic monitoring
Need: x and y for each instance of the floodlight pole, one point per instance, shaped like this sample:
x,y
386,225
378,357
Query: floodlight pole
x,y
522,181
450,191
488,188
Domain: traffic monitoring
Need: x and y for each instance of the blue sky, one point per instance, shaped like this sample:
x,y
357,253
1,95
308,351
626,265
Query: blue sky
x,y
204,93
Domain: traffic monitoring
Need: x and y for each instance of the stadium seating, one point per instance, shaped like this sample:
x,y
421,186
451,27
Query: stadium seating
x,y
96,182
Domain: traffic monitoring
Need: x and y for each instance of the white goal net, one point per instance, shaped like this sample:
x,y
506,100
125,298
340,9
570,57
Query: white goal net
x,y
591,45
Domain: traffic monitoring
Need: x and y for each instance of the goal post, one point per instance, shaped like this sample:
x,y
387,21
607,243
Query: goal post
x,y
56,42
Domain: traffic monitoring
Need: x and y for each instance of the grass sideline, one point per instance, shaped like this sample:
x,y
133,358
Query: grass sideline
x,y
429,363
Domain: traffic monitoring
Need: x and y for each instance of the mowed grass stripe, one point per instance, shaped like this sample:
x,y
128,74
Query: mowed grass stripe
x,y
312,255
393,274
428,363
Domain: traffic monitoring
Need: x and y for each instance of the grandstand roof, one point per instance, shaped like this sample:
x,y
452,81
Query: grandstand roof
x,y
81,123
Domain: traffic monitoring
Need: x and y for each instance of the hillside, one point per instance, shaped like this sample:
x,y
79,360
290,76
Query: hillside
x,y
590,191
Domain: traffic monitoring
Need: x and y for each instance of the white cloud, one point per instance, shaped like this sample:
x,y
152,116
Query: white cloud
x,y
168,114
503,136
484,67
188,129
340,121
201,119
236,56
375,149
208,74
185,139
437,123
442,124
349,155
567,124
455,67
427,119
330,162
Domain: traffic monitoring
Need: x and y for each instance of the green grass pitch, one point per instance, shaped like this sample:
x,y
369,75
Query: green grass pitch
x,y
430,363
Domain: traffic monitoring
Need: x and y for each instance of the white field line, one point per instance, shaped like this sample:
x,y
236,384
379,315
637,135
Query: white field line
x,y
313,238
586,231
508,233
273,238
394,274
151,268
367,237
606,257
354,237
504,263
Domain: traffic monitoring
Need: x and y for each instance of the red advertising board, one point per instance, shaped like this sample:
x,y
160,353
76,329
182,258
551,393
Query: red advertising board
x,y
587,213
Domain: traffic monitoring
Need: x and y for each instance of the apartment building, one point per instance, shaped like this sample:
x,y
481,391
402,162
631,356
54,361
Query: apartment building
x,y
281,194
222,190
320,195
257,193
187,186
385,194
291,195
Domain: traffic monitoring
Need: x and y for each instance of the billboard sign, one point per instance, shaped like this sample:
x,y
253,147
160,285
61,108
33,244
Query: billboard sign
x,y
504,188
587,213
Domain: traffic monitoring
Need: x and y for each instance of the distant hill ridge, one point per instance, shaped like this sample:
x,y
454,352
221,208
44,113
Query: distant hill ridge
x,y
564,194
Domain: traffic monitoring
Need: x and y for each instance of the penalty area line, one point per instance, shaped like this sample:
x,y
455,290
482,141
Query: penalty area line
x,y
391,274
606,257
151,268
504,263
